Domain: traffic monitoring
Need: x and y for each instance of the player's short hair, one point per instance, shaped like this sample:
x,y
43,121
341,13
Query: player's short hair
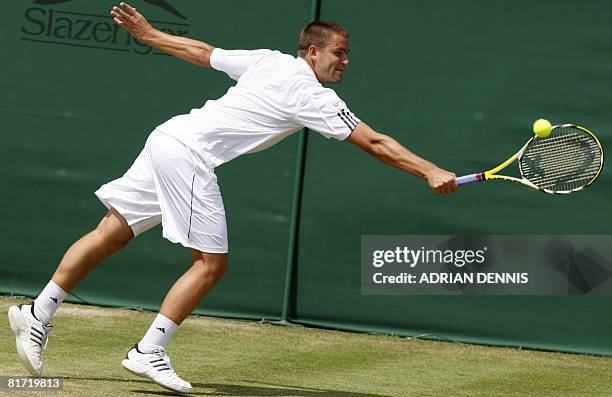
x,y
318,33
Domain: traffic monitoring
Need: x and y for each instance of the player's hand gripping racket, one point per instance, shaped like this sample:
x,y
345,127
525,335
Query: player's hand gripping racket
x,y
566,161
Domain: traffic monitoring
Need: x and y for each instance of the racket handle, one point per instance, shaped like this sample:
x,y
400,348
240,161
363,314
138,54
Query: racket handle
x,y
471,178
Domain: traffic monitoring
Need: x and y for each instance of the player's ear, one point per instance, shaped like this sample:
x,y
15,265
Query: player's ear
x,y
313,51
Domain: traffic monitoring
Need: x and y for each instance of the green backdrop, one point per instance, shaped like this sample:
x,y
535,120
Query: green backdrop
x,y
457,82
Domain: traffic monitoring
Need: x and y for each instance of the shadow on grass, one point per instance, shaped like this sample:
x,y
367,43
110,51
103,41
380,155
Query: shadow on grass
x,y
256,390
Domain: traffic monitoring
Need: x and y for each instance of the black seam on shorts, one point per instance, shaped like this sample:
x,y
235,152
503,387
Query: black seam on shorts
x,y
191,207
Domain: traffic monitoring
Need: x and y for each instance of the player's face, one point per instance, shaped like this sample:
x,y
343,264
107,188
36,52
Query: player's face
x,y
332,60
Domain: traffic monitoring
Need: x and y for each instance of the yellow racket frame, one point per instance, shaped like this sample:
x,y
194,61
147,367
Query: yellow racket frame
x,y
492,173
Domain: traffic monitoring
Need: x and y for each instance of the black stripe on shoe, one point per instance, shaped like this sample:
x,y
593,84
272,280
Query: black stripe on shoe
x,y
38,332
137,349
32,310
38,338
132,348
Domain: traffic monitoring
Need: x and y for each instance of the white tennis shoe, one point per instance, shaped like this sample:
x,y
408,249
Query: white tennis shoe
x,y
156,367
30,336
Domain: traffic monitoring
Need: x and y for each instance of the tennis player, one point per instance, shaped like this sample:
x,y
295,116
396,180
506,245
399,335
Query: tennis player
x,y
173,182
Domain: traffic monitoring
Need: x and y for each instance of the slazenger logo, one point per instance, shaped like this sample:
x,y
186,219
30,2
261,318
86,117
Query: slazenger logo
x,y
50,25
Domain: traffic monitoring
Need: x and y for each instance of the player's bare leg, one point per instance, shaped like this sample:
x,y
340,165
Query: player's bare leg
x,y
189,290
31,322
148,358
110,236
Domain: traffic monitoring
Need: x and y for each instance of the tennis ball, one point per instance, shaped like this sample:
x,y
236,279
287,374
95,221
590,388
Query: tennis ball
x,y
542,128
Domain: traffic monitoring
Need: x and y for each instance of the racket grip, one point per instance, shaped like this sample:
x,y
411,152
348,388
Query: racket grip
x,y
471,178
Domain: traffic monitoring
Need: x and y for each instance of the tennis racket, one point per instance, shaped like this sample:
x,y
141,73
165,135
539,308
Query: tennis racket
x,y
566,161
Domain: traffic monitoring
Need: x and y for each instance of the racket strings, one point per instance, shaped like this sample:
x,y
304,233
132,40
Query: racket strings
x,y
570,157
556,170
561,166
566,161
562,143
565,165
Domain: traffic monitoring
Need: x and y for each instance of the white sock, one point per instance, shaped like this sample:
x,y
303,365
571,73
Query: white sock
x,y
48,301
159,334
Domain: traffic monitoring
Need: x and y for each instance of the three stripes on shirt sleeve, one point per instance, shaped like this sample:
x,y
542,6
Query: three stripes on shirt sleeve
x,y
347,118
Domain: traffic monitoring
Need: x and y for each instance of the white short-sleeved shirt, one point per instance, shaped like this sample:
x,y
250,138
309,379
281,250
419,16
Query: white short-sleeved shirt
x,y
275,95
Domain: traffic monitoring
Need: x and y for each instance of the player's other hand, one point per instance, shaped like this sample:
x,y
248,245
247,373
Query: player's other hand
x,y
441,181
131,20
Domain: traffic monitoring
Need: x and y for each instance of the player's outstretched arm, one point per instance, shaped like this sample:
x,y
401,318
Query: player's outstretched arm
x,y
389,151
194,51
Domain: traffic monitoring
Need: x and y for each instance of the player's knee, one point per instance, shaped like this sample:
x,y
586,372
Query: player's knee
x,y
109,241
216,266
113,232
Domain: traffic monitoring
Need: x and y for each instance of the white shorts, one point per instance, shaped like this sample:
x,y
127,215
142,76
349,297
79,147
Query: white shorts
x,y
168,183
